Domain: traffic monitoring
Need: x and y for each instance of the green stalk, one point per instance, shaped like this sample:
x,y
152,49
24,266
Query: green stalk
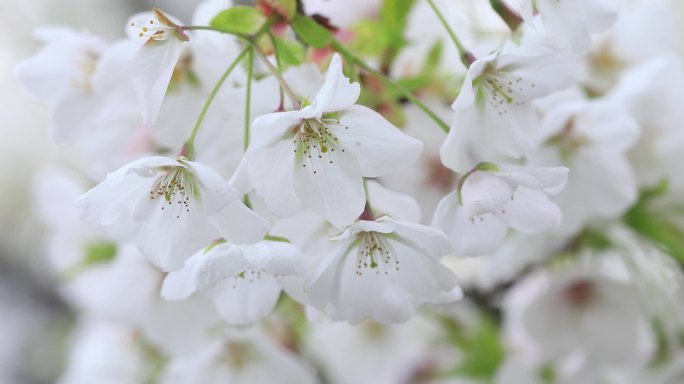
x,y
466,57
283,84
189,147
403,91
281,105
248,96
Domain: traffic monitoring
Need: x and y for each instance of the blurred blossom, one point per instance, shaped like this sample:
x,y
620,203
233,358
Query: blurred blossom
x,y
329,191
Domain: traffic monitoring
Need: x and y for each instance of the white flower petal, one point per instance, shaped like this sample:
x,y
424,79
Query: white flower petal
x,y
271,173
564,19
431,240
466,97
244,300
221,262
365,226
337,92
239,224
483,192
113,200
479,133
179,285
275,258
549,179
531,211
470,236
389,202
267,130
150,71
428,280
369,295
323,284
216,193
74,117
331,188
170,236
379,146
543,66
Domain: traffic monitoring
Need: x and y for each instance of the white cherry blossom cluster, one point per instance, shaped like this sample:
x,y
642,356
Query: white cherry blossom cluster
x,y
264,194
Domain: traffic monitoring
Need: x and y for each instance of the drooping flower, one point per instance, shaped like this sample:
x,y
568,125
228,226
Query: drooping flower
x,y
151,68
573,21
175,205
243,279
494,116
493,197
317,157
382,270
591,310
238,356
591,138
62,74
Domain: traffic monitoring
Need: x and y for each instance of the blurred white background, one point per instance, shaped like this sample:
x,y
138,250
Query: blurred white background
x,y
33,321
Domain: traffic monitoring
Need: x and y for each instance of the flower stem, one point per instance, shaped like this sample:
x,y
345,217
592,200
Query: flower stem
x,y
512,19
403,91
466,57
189,146
188,149
248,97
283,84
281,105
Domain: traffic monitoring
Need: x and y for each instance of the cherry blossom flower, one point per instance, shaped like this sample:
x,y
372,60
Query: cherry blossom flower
x,y
574,21
151,68
493,197
591,138
175,205
239,356
591,310
63,74
494,115
382,270
316,157
241,278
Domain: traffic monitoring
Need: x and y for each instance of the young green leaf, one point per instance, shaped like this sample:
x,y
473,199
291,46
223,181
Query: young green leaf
x,y
311,32
239,19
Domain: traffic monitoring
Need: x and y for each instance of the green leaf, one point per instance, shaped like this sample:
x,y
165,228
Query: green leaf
x,y
290,53
99,253
239,19
287,8
369,38
394,17
654,226
311,32
481,347
415,83
431,63
547,374
95,253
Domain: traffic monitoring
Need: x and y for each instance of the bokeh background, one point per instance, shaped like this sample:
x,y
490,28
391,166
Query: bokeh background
x,y
33,321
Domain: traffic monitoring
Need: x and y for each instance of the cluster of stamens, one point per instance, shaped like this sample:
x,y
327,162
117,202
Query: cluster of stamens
x,y
88,64
376,253
313,138
503,90
153,29
494,212
250,276
174,186
568,141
